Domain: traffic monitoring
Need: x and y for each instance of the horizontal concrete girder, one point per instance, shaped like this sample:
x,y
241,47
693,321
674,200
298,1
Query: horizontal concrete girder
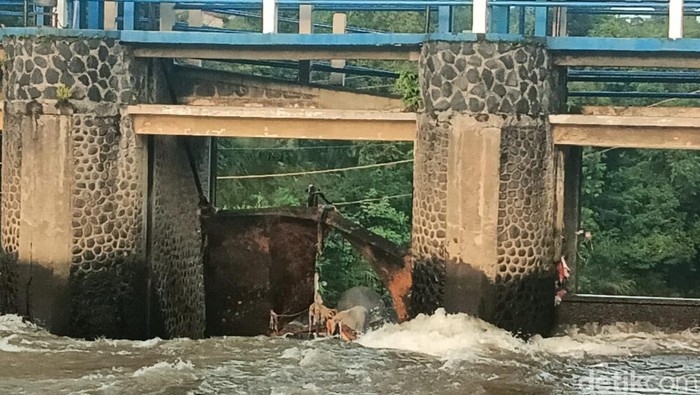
x,y
292,123
689,112
264,53
657,132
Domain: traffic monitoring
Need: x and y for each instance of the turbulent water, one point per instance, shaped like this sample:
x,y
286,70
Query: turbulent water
x,y
439,354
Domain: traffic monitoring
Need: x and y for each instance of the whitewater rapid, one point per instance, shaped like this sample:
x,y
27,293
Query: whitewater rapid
x,y
437,354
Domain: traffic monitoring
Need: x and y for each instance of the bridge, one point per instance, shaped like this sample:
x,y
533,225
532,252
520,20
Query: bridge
x,y
111,95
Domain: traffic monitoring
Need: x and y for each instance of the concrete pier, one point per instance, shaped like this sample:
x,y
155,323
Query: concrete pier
x,y
483,214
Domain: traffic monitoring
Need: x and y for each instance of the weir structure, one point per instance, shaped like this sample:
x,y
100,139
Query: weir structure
x,y
107,165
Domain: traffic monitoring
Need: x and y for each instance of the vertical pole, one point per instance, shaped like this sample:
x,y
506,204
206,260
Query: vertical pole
x,y
306,26
269,16
110,22
75,24
561,26
479,15
38,16
521,21
540,21
573,177
167,16
195,18
129,15
500,20
62,14
444,19
94,14
675,19
339,24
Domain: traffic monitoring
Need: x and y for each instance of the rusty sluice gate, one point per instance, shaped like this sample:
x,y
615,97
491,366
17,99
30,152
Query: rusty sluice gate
x,y
260,260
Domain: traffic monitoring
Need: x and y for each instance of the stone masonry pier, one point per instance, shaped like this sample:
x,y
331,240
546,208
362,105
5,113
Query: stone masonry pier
x,y
103,224
483,217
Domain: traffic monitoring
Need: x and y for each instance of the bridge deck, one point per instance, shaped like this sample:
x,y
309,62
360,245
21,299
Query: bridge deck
x,y
295,123
568,51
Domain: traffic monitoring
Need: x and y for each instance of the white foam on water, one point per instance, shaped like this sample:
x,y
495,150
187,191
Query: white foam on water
x,y
164,367
6,346
16,324
291,353
442,334
463,337
315,357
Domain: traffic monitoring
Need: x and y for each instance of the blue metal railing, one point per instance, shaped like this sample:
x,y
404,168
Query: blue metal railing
x,y
91,14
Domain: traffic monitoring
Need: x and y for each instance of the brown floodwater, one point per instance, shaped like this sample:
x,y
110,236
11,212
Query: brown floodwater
x,y
439,354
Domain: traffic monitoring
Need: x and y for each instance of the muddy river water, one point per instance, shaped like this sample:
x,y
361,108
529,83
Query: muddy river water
x,y
439,354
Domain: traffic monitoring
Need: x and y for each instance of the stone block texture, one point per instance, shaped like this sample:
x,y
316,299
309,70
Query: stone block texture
x,y
513,86
88,81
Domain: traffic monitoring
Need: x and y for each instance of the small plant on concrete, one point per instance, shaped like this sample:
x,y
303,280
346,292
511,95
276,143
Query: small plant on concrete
x,y
407,84
63,93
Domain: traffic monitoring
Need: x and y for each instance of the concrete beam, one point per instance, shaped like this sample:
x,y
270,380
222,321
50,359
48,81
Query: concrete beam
x,y
649,59
281,53
317,124
626,131
688,112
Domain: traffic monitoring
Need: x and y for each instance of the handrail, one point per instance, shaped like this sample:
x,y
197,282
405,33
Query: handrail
x,y
488,16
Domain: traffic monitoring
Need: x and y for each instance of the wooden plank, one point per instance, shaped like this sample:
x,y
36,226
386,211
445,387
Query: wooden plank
x,y
688,112
273,123
263,53
2,120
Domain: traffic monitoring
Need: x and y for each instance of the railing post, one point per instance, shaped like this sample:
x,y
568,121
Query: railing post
x,y
75,15
479,16
111,10
500,20
445,19
94,14
339,24
306,26
62,14
195,18
560,27
675,19
541,21
129,15
269,16
167,16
